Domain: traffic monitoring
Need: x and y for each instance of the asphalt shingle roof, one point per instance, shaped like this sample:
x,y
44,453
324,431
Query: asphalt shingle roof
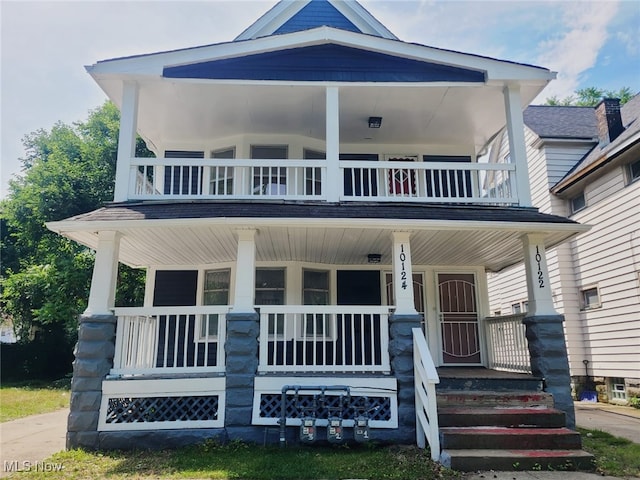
x,y
561,122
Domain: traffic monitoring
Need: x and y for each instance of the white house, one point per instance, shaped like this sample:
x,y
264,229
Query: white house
x,y
316,198
585,163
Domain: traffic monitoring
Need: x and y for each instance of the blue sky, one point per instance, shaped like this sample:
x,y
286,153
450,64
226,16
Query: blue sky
x,y
45,45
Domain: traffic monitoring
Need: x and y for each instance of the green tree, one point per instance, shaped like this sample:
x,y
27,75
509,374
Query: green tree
x,y
591,96
45,278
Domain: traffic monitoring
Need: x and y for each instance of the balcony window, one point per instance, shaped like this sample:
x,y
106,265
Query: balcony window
x,y
221,177
313,176
269,180
182,179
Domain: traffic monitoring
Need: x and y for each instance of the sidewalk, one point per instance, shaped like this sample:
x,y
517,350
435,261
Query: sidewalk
x,y
30,440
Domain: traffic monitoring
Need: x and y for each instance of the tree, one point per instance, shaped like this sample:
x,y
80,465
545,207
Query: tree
x,y
591,96
45,278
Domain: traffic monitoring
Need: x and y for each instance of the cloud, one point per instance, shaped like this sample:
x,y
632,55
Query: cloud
x,y
573,52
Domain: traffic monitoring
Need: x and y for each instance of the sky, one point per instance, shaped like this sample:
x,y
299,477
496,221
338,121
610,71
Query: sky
x,y
46,44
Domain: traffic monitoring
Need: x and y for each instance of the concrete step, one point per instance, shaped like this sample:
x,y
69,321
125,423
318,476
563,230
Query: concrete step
x,y
513,460
482,398
537,416
507,438
521,382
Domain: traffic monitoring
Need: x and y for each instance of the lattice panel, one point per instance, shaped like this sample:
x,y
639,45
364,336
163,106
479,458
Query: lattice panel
x,y
375,408
162,409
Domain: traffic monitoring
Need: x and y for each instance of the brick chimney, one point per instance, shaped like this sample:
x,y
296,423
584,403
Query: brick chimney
x,y
609,120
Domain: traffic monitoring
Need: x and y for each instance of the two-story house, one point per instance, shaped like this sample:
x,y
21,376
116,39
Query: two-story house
x,y
316,230
585,163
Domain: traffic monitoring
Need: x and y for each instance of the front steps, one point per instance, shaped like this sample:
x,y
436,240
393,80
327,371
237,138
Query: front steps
x,y
494,421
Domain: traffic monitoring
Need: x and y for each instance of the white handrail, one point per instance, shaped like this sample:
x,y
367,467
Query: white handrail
x,y
426,378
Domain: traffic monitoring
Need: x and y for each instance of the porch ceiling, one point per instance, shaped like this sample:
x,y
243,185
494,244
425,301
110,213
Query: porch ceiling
x,y
185,112
337,241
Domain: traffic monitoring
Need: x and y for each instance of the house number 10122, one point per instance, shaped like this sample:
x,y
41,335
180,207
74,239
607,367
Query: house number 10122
x,y
403,271
540,274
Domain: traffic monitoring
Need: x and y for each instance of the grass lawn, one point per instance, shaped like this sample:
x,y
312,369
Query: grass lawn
x,y
615,456
29,398
240,461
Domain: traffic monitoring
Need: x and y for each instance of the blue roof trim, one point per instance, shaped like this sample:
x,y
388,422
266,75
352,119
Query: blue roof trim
x,y
317,13
324,63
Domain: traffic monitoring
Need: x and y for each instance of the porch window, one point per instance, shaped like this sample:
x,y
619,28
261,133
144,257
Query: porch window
x,y
269,180
221,177
315,286
270,290
216,292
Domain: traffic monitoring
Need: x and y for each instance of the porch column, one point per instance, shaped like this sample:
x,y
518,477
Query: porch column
x,y
245,272
544,329
126,140
401,323
333,183
95,348
403,274
517,146
241,346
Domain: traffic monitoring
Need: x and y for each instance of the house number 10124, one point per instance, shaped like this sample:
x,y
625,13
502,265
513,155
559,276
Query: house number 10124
x,y
540,274
403,271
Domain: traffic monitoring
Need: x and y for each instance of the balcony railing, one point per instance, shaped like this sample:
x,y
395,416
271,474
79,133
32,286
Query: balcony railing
x,y
507,344
242,179
324,339
169,340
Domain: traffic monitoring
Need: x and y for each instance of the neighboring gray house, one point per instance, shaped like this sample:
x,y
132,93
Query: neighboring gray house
x,y
584,163
316,231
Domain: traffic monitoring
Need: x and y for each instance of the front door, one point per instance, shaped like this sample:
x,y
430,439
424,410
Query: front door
x,y
458,315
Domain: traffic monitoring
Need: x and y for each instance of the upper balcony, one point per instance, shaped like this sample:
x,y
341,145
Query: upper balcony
x,y
316,90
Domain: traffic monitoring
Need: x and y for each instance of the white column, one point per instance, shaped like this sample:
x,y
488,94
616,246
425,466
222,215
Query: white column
x,y
126,140
245,272
403,274
517,147
334,183
105,274
538,284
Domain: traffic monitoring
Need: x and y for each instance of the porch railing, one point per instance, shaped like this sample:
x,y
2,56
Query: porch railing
x,y
426,378
287,179
507,346
324,339
169,340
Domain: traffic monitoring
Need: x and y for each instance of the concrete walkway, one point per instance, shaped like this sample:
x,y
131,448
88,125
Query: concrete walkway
x,y
33,439
26,442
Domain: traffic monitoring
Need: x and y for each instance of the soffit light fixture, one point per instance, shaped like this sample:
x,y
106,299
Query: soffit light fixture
x,y
374,258
375,122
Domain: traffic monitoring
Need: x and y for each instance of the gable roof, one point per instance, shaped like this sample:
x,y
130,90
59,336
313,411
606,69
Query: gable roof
x,y
289,16
561,121
600,156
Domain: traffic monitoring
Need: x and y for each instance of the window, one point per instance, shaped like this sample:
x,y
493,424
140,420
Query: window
x,y
590,298
221,180
525,306
578,203
270,289
516,308
497,313
315,291
269,180
313,176
618,389
182,179
216,292
634,171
